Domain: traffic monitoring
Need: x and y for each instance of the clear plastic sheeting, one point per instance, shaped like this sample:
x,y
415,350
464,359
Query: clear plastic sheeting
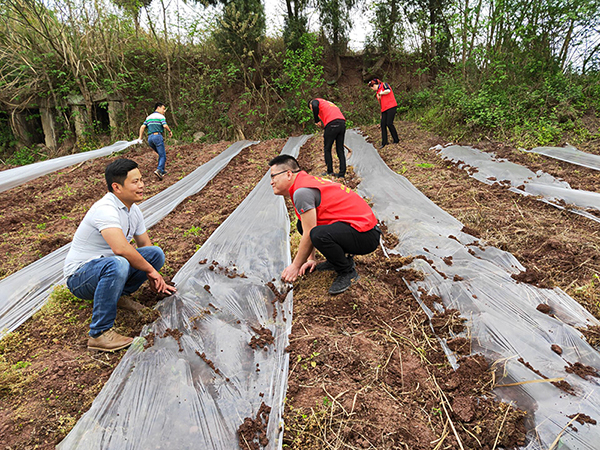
x,y
502,317
569,154
195,394
488,169
25,292
14,177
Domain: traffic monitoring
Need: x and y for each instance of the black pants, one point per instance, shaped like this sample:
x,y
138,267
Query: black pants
x,y
335,131
339,238
387,121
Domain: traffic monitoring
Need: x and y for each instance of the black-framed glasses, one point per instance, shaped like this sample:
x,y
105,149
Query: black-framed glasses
x,y
273,175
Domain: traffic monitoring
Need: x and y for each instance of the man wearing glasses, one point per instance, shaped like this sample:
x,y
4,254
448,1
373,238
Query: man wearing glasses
x,y
331,218
103,266
156,124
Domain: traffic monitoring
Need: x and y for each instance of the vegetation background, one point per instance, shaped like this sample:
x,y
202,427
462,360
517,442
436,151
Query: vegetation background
x,y
525,73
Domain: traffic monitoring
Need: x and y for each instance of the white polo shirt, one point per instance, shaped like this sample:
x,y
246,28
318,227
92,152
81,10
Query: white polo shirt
x,y
88,243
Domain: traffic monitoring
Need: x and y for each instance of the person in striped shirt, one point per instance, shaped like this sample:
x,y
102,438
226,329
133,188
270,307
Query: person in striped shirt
x,y
156,123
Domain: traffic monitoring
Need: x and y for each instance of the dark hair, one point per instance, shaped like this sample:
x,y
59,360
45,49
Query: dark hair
x,y
310,102
287,161
374,81
157,104
116,171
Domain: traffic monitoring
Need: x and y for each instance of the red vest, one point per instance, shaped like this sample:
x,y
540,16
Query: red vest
x,y
338,203
328,112
386,101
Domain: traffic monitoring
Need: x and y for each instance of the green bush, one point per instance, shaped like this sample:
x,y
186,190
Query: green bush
x,y
25,155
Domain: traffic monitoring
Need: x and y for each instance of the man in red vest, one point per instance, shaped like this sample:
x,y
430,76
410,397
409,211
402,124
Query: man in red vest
x,y
330,118
331,218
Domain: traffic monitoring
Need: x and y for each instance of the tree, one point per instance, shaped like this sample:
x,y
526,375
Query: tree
x,y
295,25
336,22
133,9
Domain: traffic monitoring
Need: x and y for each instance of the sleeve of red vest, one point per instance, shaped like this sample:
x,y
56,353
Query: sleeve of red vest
x,y
315,108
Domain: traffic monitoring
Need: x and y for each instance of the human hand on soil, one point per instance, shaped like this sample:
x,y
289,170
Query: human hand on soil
x,y
308,265
290,273
159,285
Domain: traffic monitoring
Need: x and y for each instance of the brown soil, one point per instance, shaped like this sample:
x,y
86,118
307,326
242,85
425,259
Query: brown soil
x,y
253,432
366,371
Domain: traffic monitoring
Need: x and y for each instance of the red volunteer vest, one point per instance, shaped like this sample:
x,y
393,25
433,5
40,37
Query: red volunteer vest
x,y
328,112
338,203
386,101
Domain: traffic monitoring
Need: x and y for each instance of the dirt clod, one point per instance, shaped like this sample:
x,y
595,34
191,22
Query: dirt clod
x,y
252,433
263,339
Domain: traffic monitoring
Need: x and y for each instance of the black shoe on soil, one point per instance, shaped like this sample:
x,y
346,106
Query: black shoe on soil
x,y
327,174
340,175
158,174
343,282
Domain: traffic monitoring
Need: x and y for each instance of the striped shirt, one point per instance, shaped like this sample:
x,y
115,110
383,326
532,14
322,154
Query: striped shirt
x,y
155,123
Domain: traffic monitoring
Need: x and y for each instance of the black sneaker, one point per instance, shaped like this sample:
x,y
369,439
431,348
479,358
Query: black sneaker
x,y
326,265
164,172
327,174
158,174
340,175
343,282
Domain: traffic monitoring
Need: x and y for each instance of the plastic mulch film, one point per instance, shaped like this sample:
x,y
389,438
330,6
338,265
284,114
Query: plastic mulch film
x,y
569,154
25,292
489,169
503,322
226,368
19,175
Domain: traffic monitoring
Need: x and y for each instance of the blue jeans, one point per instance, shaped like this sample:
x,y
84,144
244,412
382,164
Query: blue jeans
x,y
105,280
157,143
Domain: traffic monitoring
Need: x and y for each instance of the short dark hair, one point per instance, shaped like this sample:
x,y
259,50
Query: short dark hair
x,y
157,104
116,171
374,81
287,161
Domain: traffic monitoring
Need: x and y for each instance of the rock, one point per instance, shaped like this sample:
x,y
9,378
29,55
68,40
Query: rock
x,y
198,135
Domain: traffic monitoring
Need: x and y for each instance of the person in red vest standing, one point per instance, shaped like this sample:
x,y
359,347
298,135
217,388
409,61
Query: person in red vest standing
x,y
387,101
331,218
330,118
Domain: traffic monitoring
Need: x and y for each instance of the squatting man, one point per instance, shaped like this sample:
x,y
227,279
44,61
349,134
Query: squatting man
x,y
103,266
331,218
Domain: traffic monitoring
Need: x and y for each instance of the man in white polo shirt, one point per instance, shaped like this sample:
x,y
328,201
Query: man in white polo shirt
x,y
103,266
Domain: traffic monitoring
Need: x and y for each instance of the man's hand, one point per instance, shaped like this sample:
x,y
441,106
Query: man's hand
x,y
320,124
290,273
170,134
158,284
308,267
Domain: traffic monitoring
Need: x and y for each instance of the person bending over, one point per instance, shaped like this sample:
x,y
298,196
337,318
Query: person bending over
x,y
103,266
387,102
330,118
331,218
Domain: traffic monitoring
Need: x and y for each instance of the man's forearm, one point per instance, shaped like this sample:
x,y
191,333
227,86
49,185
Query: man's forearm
x,y
134,258
305,249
